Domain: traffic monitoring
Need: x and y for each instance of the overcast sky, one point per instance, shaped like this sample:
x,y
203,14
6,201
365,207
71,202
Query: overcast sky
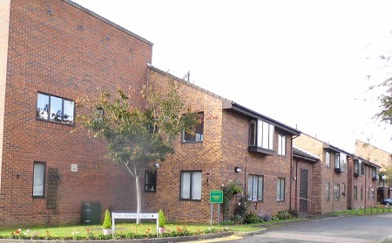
x,y
303,63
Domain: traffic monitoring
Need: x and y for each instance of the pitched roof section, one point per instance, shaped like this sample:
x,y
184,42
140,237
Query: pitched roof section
x,y
242,110
233,106
302,154
107,21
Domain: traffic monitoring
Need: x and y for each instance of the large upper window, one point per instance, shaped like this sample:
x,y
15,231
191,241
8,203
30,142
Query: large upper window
x,y
255,188
280,191
337,161
340,162
150,181
197,134
327,159
191,185
282,145
261,134
357,166
39,179
55,109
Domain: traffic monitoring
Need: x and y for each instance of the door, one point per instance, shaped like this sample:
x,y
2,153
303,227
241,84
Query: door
x,y
303,191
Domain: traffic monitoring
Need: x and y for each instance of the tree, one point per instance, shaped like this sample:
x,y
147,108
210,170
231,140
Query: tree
x,y
138,136
378,62
385,114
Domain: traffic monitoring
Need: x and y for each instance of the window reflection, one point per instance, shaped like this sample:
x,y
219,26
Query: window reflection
x,y
55,109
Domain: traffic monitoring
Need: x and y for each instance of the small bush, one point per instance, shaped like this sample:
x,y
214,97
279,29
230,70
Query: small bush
x,y
251,218
107,221
283,215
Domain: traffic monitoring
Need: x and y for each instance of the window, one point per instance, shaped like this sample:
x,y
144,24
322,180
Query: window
x,y
261,134
282,145
355,193
357,166
197,135
374,173
39,179
327,159
337,160
55,109
255,188
361,193
336,191
191,185
343,162
150,181
362,165
280,189
327,191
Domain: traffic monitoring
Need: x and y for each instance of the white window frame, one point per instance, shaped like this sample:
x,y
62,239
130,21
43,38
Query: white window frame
x,y
191,185
39,176
337,161
262,134
328,159
255,188
282,145
280,189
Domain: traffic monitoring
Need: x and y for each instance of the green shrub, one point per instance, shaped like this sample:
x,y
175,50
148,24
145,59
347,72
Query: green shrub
x,y
107,221
283,215
161,218
251,218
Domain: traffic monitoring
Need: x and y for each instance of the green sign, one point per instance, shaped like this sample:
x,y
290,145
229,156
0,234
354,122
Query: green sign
x,y
216,196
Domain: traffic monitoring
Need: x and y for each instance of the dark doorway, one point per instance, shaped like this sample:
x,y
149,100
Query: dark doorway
x,y
303,191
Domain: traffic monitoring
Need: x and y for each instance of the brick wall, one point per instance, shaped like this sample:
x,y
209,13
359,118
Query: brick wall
x,y
323,175
373,154
362,182
59,48
225,146
189,156
311,198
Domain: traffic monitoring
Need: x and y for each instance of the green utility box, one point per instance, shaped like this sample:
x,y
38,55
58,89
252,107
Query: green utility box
x,y
91,213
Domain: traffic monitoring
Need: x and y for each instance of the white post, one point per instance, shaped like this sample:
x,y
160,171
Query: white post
x,y
212,213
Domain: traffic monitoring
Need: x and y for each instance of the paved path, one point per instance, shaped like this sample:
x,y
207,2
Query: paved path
x,y
313,238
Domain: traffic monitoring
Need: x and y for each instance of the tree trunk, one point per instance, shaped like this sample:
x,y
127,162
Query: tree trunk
x,y
138,198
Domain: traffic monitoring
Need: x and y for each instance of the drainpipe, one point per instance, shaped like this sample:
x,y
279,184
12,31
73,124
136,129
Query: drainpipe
x,y
365,186
296,186
291,169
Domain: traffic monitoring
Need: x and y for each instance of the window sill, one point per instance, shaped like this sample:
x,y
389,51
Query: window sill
x,y
254,149
190,200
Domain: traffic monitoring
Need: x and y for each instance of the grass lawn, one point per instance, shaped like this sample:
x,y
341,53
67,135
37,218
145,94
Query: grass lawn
x,y
123,230
363,211
129,230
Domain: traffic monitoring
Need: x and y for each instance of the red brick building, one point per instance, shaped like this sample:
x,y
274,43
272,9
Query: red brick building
x,y
232,143
53,52
362,182
340,180
304,191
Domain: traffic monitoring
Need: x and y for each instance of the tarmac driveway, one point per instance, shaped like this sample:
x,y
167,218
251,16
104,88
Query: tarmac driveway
x,y
345,229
